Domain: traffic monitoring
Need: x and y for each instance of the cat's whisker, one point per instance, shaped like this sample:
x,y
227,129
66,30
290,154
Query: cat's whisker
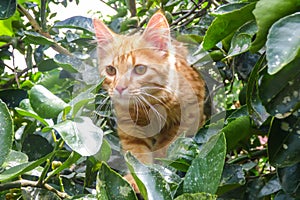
x,y
158,88
145,110
158,115
154,97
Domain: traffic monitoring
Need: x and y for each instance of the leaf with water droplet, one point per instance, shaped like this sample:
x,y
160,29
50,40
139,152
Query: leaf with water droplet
x,y
7,8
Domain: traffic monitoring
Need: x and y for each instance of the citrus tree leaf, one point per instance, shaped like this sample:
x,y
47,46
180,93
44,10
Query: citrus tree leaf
x,y
280,93
241,40
25,109
36,38
80,134
283,42
205,172
6,132
45,103
22,168
226,23
149,181
111,185
267,12
7,8
14,158
77,22
38,193
283,144
69,63
289,178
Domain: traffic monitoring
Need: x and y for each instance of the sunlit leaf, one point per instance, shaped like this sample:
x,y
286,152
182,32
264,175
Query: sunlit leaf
x,y
283,43
149,181
226,23
36,38
81,135
29,193
266,12
77,22
205,172
45,103
110,185
197,196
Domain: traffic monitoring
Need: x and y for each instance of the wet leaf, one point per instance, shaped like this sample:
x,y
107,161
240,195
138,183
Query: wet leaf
x,y
14,158
149,181
80,134
45,103
6,132
205,172
111,185
226,23
283,43
266,12
7,8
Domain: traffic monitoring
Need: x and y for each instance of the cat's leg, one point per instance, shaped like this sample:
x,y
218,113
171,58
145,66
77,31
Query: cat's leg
x,y
140,148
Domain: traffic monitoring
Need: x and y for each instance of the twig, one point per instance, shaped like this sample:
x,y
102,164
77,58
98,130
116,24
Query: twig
x,y
25,183
109,5
38,29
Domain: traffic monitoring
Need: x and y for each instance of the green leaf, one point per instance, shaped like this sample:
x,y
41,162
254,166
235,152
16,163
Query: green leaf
x,y
68,63
196,196
80,134
25,109
190,38
111,185
6,132
256,110
22,168
237,127
14,158
104,153
241,40
36,38
45,103
271,187
233,176
149,181
280,93
205,172
226,23
36,146
283,43
289,178
7,8
283,144
47,65
13,97
70,160
267,12
76,22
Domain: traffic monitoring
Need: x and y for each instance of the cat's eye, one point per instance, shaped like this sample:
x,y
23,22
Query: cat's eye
x,y
110,70
140,69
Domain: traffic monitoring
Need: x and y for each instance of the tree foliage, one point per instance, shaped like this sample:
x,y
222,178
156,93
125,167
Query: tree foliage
x,y
54,144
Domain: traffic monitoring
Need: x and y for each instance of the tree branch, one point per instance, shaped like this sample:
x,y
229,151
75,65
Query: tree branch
x,y
25,183
38,29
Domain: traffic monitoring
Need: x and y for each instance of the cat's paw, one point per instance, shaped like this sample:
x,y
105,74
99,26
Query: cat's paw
x,y
132,182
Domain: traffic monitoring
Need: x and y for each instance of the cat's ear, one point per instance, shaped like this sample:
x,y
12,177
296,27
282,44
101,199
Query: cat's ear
x,y
103,34
157,31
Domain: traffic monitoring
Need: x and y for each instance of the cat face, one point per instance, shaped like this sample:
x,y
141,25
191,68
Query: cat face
x,y
135,65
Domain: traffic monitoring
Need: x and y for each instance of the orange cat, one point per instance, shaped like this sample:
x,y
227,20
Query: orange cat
x,y
156,94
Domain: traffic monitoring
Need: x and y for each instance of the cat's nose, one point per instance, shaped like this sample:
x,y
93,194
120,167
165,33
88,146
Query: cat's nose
x,y
120,89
